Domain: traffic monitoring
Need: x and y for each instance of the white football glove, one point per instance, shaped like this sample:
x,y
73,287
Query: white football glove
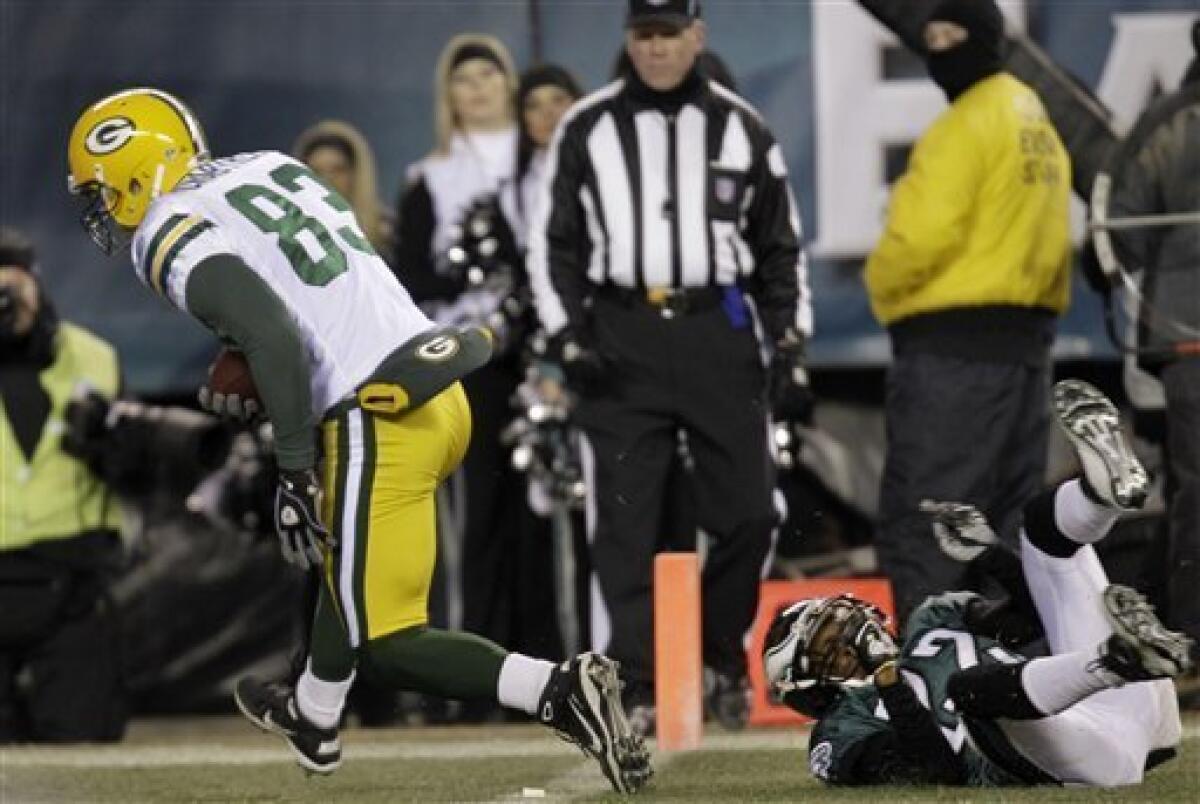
x,y
229,406
961,530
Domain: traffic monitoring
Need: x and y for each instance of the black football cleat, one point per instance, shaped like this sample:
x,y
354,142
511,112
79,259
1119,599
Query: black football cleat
x,y
272,707
582,703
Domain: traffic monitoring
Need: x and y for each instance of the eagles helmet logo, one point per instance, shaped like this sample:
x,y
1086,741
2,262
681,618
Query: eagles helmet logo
x,y
109,135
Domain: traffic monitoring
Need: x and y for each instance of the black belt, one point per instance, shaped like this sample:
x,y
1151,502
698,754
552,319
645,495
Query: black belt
x,y
668,302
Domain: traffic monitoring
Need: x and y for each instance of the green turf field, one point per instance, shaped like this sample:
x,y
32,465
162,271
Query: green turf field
x,y
225,760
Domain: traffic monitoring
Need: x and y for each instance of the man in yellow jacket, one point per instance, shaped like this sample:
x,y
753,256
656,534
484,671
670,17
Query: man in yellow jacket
x,y
59,524
969,276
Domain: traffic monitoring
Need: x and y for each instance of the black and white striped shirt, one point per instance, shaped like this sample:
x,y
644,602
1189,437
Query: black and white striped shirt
x,y
640,197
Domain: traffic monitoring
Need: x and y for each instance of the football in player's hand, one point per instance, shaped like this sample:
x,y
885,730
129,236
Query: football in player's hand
x,y
230,375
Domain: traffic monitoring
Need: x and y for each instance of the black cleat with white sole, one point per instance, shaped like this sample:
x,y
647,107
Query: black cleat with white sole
x,y
582,703
272,707
1141,647
1090,421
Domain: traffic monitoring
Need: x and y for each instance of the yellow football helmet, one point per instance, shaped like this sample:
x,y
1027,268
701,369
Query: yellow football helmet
x,y
126,150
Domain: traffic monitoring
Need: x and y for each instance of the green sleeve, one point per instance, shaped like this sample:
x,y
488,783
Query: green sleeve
x,y
237,304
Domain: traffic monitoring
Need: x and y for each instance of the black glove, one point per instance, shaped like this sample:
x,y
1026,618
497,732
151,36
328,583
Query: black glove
x,y
791,396
302,537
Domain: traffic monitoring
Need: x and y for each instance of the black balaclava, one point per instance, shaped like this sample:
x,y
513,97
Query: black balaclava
x,y
982,55
1193,72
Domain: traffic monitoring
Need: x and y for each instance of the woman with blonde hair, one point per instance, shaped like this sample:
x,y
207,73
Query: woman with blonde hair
x,y
338,153
473,159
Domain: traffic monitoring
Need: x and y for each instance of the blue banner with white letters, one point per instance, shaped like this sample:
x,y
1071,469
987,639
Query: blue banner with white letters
x,y
823,74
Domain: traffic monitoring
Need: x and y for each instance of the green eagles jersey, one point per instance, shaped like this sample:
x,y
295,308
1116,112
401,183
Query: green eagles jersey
x,y
936,645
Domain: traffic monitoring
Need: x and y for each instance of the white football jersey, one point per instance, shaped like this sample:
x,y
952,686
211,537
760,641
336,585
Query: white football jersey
x,y
302,239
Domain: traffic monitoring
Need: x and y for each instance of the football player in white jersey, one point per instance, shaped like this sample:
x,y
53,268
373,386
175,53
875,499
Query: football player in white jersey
x,y
270,259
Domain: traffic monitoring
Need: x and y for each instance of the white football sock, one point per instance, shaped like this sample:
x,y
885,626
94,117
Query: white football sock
x,y
321,702
522,681
1078,517
1056,683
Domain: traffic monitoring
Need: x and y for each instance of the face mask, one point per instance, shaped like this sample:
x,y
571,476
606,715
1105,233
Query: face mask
x,y
981,55
956,70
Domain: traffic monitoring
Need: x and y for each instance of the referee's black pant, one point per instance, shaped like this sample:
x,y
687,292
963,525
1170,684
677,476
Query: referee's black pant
x,y
700,371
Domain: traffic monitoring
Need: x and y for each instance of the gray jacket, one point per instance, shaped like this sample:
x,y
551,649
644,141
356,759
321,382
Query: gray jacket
x,y
1158,172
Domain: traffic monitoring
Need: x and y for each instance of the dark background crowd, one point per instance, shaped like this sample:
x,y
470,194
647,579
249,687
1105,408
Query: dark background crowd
x,y
151,557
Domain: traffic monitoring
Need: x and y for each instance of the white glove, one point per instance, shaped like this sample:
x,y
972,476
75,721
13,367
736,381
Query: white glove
x,y
229,406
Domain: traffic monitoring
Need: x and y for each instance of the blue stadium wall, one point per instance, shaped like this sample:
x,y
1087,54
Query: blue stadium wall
x,y
260,71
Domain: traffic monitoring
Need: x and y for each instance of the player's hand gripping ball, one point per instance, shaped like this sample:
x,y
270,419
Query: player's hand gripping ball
x,y
230,391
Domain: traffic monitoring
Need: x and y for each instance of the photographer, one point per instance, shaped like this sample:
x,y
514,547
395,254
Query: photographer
x,y
60,678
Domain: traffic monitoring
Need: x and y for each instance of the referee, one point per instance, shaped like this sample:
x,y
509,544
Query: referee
x,y
666,205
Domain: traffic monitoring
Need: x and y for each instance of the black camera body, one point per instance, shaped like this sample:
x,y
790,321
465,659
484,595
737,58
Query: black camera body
x,y
128,444
8,312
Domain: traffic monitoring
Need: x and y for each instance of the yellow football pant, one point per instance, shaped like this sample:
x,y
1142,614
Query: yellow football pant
x,y
380,475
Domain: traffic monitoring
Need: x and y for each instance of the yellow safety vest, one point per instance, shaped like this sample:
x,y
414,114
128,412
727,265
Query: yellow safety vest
x,y
980,218
56,496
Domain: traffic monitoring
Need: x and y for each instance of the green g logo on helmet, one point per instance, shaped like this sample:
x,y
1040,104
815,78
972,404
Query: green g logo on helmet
x,y
109,135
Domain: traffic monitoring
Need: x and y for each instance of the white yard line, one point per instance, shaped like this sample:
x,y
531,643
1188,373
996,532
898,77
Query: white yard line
x,y
214,752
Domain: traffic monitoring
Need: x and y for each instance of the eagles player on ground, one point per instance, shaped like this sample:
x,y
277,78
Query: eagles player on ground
x,y
270,259
956,704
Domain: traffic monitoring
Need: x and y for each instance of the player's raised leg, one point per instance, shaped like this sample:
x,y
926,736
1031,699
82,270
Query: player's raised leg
x,y
1062,571
1058,710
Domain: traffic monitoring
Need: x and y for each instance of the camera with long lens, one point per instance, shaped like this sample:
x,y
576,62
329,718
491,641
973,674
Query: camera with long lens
x,y
127,443
8,312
